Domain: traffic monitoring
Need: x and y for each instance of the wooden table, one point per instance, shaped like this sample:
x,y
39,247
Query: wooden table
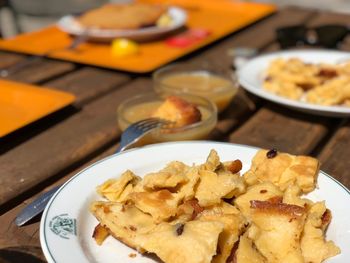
x,y
53,149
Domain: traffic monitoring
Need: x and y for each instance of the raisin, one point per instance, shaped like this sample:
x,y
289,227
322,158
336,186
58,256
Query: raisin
x,y
271,154
268,78
132,228
235,166
327,73
179,229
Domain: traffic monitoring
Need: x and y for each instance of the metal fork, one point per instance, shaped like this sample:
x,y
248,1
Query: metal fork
x,y
5,72
138,130
130,136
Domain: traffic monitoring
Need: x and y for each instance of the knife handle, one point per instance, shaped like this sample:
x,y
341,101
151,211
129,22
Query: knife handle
x,y
35,207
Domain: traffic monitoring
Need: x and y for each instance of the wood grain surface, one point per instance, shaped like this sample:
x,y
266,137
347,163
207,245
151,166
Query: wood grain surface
x,y
51,151
286,130
14,239
335,155
41,71
64,144
89,83
8,59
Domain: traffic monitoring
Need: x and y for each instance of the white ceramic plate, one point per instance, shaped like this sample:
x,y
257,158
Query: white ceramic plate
x,y
251,77
70,25
67,225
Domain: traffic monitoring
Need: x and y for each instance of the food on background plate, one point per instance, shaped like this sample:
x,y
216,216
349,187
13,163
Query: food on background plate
x,y
190,117
183,80
210,213
123,16
322,84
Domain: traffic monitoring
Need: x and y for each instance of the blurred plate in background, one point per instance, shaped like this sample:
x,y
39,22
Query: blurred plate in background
x,y
70,25
251,78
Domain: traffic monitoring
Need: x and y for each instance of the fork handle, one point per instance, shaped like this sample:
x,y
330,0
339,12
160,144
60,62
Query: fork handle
x,y
39,204
35,208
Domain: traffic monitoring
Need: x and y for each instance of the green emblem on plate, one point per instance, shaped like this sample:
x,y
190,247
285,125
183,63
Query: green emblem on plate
x,y
63,226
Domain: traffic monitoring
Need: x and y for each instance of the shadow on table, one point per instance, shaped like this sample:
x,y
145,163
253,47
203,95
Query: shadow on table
x,y
21,254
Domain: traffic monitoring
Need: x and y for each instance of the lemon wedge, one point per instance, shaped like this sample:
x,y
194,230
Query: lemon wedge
x,y
124,47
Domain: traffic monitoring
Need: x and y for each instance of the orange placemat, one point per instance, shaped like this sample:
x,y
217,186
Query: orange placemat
x,y
219,17
21,104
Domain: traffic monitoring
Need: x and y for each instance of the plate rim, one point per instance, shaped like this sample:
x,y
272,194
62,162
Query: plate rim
x,y
335,111
43,242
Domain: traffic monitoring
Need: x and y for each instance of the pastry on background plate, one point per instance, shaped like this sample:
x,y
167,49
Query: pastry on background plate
x,y
123,16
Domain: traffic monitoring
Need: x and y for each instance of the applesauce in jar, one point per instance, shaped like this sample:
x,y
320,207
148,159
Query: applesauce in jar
x,y
143,106
219,89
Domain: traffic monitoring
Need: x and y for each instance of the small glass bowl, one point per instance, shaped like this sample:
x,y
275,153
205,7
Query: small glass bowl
x,y
225,82
141,107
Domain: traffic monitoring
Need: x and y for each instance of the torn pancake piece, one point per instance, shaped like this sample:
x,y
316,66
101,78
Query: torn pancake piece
x,y
192,242
100,234
123,222
262,192
169,177
161,205
292,196
276,230
212,187
283,169
212,162
234,225
247,252
314,246
117,190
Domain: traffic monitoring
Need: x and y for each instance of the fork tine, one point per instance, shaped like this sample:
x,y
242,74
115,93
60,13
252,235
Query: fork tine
x,y
142,123
142,126
139,129
149,125
145,121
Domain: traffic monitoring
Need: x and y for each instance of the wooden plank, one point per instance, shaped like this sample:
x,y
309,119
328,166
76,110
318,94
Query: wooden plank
x,y
89,83
27,236
335,155
329,18
41,71
8,59
286,130
237,112
64,144
258,36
